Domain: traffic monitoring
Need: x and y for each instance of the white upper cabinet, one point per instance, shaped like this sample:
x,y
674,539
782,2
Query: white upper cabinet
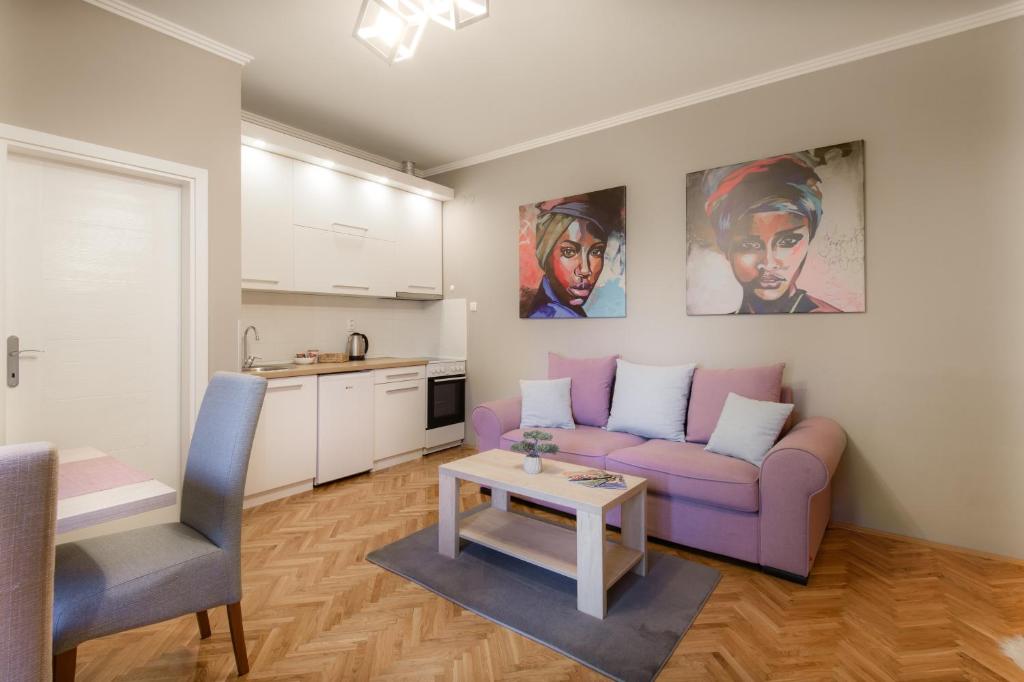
x,y
266,220
308,228
333,262
419,246
329,200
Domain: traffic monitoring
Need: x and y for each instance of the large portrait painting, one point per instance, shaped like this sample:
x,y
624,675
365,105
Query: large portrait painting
x,y
783,234
572,256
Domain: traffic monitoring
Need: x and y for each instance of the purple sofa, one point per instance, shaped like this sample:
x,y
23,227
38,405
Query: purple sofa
x,y
773,516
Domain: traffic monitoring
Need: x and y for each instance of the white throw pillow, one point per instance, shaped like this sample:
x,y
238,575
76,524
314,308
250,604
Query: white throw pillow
x,y
747,429
650,401
547,404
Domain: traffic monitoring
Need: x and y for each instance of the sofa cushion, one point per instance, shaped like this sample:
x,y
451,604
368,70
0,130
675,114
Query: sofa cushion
x,y
711,387
688,471
591,385
586,445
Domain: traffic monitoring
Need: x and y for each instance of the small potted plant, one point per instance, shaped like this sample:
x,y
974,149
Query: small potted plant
x,y
532,445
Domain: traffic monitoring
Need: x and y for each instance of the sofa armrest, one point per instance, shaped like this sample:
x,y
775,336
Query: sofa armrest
x,y
796,494
492,419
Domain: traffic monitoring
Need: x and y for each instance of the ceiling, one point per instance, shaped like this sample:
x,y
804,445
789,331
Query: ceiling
x,y
533,68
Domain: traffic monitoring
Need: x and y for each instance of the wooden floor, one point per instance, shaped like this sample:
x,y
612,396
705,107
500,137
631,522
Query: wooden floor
x,y
875,609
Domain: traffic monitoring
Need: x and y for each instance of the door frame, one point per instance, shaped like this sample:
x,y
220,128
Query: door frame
x,y
194,186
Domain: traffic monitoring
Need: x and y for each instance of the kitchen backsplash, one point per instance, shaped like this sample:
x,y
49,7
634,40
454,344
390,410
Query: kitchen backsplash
x,y
290,323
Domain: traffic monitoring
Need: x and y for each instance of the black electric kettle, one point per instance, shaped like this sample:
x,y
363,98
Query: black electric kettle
x,y
357,346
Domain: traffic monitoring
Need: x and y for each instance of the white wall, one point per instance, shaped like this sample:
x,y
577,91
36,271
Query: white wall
x,y
929,382
291,323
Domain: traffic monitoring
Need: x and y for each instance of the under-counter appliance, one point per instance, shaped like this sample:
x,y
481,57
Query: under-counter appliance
x,y
446,403
345,433
357,346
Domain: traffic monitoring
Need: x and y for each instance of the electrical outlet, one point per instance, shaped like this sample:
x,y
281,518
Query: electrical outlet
x,y
351,325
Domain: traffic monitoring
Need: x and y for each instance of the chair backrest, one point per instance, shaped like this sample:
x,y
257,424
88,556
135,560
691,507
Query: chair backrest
x,y
28,515
218,458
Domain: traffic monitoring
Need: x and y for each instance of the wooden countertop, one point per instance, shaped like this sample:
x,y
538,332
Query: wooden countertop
x,y
339,367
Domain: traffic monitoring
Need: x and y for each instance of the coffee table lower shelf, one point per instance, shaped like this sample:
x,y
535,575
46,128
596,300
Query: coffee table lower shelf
x,y
543,544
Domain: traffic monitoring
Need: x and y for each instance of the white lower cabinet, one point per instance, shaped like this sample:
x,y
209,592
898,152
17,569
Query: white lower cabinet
x,y
399,418
284,448
345,437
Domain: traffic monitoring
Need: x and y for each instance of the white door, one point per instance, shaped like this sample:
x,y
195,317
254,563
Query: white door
x,y
334,263
419,245
266,220
345,445
92,279
284,447
399,418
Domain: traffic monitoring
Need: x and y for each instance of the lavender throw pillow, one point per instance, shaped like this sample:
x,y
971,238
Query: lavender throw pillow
x,y
592,380
712,386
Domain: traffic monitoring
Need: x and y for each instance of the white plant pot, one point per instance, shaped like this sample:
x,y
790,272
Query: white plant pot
x,y
532,465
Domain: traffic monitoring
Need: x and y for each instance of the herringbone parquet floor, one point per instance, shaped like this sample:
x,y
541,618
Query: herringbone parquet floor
x,y
875,609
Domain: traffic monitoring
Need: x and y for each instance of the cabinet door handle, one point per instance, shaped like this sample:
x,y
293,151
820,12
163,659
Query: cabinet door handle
x,y
421,286
350,286
403,374
447,381
257,279
402,390
282,387
351,227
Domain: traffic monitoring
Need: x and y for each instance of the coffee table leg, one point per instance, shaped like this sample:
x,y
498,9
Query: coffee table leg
x,y
499,499
448,515
634,528
590,592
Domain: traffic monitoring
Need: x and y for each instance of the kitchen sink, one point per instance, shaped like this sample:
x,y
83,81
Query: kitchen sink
x,y
256,369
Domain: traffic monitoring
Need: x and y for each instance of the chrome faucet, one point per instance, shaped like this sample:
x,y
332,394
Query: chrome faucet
x,y
249,359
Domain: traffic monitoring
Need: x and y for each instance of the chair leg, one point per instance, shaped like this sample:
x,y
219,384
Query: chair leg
x,y
238,637
204,624
64,666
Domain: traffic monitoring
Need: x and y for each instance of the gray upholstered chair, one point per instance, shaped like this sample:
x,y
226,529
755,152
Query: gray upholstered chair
x,y
28,513
126,580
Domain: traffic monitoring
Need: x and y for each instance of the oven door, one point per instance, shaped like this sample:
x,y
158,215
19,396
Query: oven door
x,y
446,401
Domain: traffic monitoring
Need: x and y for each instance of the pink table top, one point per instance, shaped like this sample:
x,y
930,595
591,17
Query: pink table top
x,y
92,475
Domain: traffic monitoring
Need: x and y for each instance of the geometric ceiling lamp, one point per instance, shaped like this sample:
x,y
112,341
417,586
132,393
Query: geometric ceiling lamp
x,y
456,14
392,29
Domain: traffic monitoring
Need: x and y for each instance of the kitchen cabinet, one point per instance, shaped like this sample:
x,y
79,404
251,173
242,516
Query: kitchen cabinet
x,y
284,447
419,246
399,417
327,199
330,262
267,262
309,228
345,436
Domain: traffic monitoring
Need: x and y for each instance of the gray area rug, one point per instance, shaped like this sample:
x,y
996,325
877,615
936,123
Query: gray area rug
x,y
646,616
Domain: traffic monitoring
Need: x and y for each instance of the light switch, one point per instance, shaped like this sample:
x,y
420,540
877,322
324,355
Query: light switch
x,y
472,306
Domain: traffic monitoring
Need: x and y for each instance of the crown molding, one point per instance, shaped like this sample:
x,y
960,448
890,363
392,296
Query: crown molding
x,y
186,35
897,42
301,134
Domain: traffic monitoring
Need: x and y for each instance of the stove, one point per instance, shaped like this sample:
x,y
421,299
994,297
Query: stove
x,y
446,403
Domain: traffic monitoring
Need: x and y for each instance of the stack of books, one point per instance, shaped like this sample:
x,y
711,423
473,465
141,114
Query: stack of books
x,y
595,478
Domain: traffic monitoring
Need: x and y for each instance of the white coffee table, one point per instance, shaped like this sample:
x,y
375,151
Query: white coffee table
x,y
585,555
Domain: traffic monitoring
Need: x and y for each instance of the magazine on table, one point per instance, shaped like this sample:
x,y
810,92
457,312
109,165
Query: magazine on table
x,y
595,478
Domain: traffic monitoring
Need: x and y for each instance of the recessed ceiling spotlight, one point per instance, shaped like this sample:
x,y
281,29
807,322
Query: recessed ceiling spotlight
x,y
380,178
328,163
262,144
392,29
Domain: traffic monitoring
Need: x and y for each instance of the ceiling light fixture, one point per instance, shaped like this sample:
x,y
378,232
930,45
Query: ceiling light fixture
x,y
392,29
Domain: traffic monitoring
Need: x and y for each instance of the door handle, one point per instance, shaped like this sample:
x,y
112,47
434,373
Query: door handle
x,y
14,352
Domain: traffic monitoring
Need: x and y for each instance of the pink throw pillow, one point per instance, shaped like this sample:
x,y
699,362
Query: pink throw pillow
x,y
591,389
711,387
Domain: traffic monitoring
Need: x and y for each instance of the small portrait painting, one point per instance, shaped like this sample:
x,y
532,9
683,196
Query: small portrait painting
x,y
784,234
572,256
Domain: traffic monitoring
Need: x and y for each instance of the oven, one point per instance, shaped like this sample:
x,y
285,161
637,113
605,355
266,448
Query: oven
x,y
446,404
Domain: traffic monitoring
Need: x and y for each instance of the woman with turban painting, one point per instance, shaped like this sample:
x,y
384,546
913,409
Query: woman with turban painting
x,y
764,215
571,238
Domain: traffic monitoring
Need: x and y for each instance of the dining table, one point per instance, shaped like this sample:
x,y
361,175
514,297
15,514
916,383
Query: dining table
x,y
94,487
